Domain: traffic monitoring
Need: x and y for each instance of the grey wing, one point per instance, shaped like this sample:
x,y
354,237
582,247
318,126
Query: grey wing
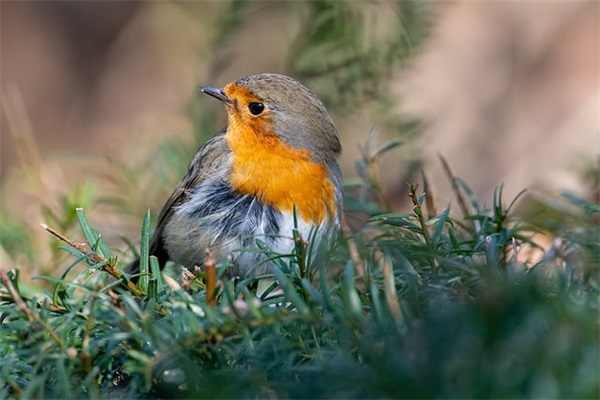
x,y
209,156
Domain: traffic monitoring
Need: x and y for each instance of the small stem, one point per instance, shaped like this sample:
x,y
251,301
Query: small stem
x,y
354,255
378,185
211,278
300,252
389,285
459,196
14,386
85,354
429,201
31,316
110,268
419,213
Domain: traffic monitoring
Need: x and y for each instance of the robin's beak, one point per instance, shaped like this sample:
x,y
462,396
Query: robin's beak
x,y
217,93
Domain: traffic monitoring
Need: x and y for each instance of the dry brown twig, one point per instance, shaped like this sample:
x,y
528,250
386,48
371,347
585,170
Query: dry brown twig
x,y
359,266
388,281
22,306
429,201
210,268
459,196
109,267
424,228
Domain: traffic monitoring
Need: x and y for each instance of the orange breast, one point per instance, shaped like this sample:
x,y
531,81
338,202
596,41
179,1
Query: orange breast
x,y
276,173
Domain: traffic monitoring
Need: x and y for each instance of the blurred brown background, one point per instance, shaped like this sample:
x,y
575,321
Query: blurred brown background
x,y
506,91
509,92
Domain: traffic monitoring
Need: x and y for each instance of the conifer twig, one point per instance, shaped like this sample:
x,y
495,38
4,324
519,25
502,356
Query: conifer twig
x,y
110,267
419,213
22,306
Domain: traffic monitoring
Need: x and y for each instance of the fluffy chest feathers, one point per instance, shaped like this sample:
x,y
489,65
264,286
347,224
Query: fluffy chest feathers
x,y
278,175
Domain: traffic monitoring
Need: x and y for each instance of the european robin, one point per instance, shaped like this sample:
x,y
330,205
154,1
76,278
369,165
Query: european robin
x,y
276,157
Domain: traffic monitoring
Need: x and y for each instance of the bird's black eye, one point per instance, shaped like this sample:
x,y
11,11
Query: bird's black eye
x,y
256,108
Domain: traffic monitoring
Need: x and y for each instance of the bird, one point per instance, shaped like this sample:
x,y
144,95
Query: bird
x,y
272,168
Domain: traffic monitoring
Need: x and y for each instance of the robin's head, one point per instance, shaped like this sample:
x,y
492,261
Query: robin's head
x,y
272,104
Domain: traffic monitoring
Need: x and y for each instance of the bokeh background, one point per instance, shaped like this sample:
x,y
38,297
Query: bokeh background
x,y
100,107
